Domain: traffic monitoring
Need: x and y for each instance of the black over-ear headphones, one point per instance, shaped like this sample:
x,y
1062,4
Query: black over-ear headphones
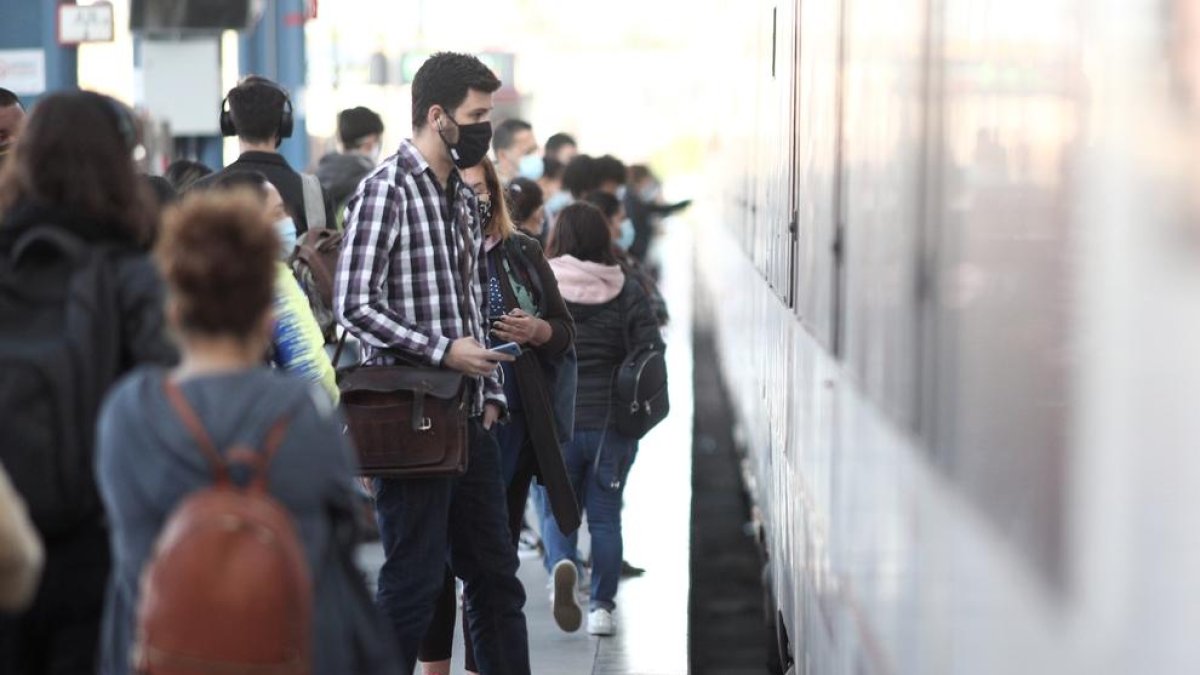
x,y
287,118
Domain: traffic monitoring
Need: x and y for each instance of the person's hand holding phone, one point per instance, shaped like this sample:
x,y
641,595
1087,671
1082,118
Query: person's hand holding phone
x,y
471,358
522,328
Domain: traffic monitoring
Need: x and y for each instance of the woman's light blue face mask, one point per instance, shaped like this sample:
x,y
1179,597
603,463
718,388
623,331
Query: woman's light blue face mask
x,y
627,235
287,236
531,167
558,202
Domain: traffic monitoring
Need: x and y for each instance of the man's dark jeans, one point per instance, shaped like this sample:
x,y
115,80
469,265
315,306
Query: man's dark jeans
x,y
425,522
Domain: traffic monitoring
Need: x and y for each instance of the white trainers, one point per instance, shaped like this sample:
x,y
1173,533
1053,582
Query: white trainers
x,y
567,613
601,622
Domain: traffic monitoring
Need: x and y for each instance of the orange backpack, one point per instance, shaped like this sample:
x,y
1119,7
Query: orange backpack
x,y
228,589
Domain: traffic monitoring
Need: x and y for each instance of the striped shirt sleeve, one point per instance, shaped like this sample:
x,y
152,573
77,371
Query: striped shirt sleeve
x,y
375,224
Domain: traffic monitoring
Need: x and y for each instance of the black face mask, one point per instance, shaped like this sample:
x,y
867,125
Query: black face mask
x,y
472,145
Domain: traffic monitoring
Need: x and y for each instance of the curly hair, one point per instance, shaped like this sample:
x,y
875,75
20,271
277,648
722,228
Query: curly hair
x,y
217,253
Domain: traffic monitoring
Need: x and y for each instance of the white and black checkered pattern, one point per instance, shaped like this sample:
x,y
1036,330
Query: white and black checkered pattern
x,y
410,279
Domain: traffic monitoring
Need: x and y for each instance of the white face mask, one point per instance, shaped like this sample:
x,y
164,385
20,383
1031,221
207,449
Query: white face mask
x,y
376,151
287,236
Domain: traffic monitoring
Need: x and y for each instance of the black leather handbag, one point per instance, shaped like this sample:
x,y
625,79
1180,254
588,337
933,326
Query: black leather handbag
x,y
406,421
641,392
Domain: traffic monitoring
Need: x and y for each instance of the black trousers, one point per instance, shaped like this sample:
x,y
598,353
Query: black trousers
x,y
438,644
60,633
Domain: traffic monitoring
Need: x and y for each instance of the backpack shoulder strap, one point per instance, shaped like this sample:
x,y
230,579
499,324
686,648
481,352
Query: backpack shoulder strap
x,y
259,461
314,202
195,427
57,237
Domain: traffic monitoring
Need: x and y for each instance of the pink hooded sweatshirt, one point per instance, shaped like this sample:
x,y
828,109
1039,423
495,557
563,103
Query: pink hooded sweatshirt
x,y
587,283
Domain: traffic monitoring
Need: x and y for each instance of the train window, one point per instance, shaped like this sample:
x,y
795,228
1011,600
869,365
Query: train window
x,y
999,323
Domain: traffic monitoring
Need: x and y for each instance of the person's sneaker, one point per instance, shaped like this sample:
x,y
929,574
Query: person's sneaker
x,y
567,613
600,622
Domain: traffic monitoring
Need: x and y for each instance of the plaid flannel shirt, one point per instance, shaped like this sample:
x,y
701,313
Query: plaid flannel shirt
x,y
409,278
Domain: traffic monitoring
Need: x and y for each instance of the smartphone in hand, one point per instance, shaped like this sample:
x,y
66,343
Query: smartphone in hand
x,y
510,348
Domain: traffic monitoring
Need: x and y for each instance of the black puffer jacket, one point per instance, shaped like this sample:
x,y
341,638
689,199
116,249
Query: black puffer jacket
x,y
604,334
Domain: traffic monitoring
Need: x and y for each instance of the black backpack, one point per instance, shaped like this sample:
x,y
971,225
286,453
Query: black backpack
x,y
60,350
642,399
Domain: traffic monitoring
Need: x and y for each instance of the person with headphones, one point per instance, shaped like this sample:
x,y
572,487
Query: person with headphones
x,y
259,112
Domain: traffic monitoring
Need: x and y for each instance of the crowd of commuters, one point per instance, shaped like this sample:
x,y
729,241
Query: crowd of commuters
x,y
166,359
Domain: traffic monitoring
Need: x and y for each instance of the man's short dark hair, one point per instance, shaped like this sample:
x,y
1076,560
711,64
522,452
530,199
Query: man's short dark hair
x,y
608,204
444,80
502,138
356,124
7,98
579,178
609,168
559,141
257,108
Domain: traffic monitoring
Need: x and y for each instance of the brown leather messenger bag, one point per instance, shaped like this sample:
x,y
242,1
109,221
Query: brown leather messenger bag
x,y
406,421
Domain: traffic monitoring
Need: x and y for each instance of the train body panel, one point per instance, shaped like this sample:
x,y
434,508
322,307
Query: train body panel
x,y
954,289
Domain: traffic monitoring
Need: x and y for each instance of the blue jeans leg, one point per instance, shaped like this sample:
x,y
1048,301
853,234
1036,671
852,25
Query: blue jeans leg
x,y
602,502
575,456
484,557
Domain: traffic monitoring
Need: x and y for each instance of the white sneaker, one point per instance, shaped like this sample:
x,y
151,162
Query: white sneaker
x,y
601,622
567,614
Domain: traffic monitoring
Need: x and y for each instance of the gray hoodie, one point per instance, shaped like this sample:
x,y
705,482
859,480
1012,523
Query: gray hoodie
x,y
340,174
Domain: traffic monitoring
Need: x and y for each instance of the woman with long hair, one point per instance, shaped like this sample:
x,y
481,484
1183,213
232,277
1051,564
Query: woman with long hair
x,y
613,318
81,305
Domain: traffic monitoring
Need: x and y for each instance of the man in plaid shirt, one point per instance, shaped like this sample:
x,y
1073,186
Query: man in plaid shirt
x,y
409,282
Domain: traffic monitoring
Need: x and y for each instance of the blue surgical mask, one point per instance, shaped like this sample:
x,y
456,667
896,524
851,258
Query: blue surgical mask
x,y
558,202
287,236
531,167
649,194
627,235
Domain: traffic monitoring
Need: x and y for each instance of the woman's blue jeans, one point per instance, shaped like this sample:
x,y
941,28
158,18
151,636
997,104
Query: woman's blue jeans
x,y
598,464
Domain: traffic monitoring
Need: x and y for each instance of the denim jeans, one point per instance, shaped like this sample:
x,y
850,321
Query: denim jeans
x,y
598,475
425,522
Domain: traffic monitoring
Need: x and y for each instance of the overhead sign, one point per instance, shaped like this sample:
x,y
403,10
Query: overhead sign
x,y
23,71
85,23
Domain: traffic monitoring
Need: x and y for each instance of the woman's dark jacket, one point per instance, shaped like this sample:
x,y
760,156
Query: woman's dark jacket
x,y
139,287
604,335
545,374
138,311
